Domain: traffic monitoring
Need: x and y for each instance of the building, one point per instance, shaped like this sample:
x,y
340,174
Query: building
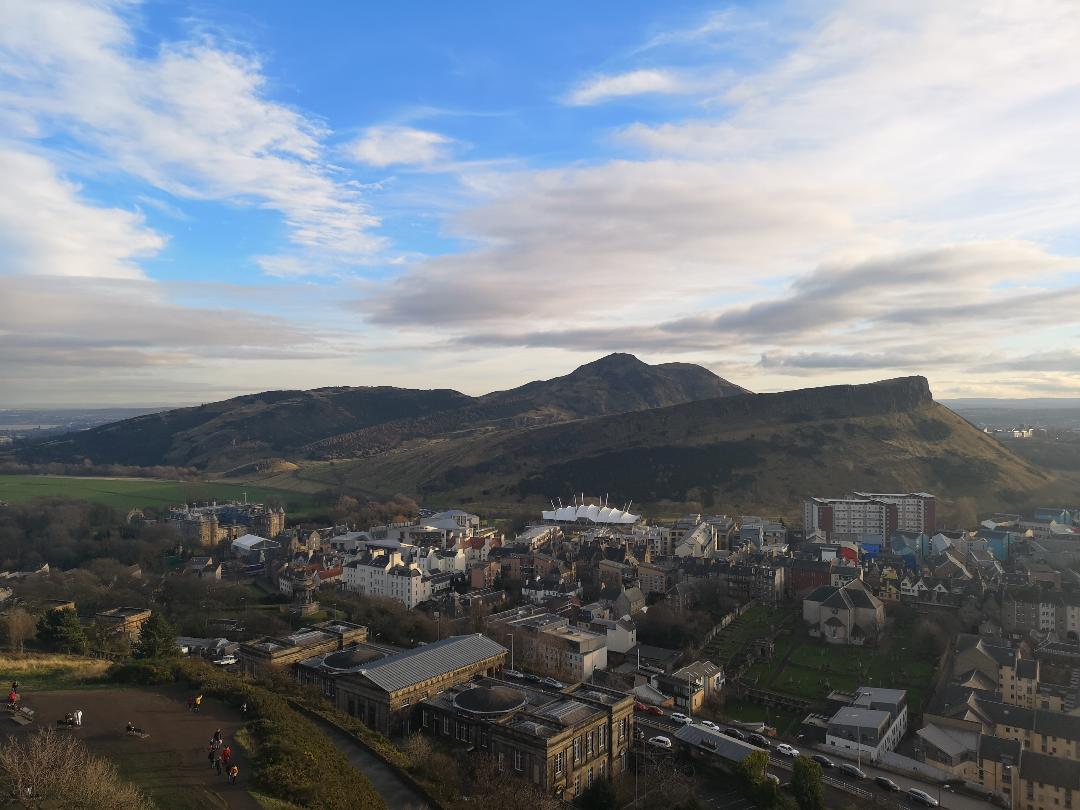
x,y
548,644
1047,782
871,721
621,634
629,602
915,511
253,549
124,621
384,693
591,514
849,518
262,655
703,743
849,614
382,573
561,741
213,523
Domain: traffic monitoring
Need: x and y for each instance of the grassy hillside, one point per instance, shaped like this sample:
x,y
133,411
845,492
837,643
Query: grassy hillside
x,y
741,454
349,422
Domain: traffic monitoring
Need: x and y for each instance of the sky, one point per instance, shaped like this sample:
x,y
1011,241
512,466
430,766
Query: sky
x,y
203,199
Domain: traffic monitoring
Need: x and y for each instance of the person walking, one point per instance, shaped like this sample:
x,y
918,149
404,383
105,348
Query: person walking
x,y
211,753
234,774
76,716
198,702
226,755
217,736
217,766
191,703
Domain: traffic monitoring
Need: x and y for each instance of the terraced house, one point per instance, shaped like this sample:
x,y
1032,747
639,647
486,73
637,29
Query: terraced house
x,y
560,740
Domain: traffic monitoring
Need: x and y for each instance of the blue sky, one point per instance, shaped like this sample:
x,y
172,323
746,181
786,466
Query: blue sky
x,y
210,198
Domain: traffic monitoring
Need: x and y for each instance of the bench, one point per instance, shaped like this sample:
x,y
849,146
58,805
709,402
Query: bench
x,y
24,716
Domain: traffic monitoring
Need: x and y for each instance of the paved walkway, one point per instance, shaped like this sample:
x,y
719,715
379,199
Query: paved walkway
x,y
398,794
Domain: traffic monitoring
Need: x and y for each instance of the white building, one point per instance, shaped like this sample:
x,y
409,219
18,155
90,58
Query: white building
x,y
384,574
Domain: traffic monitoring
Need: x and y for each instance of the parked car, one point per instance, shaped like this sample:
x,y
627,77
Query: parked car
x,y
848,769
772,777
660,741
226,660
922,797
530,677
678,717
709,724
553,683
640,707
513,673
759,741
885,783
734,732
654,710
822,760
787,750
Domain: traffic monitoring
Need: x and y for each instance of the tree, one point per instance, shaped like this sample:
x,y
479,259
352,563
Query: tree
x,y
20,628
157,638
60,630
601,796
806,785
53,769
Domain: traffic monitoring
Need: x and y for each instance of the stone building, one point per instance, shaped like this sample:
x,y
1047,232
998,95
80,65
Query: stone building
x,y
561,741
848,614
384,693
260,656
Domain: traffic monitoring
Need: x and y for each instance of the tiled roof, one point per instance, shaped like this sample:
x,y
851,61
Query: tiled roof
x,y
411,667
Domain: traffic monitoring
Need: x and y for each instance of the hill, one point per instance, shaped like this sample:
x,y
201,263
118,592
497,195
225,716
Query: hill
x,y
742,453
347,422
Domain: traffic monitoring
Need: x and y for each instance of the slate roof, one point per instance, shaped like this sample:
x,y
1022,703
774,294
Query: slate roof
x,y
721,744
1036,767
411,667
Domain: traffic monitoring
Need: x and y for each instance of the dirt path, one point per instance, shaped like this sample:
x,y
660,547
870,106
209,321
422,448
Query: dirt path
x,y
171,763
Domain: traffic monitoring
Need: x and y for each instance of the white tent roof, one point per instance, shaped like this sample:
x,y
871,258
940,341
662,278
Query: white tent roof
x,y
591,513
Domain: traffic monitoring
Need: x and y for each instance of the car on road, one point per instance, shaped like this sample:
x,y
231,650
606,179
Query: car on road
x,y
709,724
853,771
772,777
760,741
654,710
553,683
226,660
530,677
678,717
734,732
885,783
822,760
922,797
787,750
513,673
660,741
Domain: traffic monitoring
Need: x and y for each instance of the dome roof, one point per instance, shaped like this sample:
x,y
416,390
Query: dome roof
x,y
350,659
490,699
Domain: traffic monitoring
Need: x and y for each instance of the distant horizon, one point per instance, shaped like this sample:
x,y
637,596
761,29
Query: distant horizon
x,y
208,199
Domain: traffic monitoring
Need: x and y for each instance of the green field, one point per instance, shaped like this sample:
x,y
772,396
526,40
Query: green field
x,y
128,493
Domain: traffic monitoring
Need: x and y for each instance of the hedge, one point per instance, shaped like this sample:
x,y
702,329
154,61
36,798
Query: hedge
x,y
293,760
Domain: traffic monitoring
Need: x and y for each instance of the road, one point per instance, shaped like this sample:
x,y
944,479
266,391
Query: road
x,y
781,767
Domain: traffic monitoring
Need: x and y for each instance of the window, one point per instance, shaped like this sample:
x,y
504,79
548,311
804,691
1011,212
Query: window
x,y
463,731
622,729
577,748
590,778
446,726
519,761
499,760
425,718
577,785
601,733
559,763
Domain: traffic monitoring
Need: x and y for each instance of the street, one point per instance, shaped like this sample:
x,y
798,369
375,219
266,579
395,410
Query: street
x,y
843,786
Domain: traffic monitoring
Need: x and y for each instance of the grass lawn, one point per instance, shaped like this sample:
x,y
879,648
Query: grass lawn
x,y
128,493
42,673
785,723
814,668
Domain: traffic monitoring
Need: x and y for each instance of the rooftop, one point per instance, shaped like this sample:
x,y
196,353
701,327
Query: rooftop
x,y
411,667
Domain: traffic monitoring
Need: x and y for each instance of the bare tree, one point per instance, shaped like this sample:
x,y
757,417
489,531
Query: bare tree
x,y
53,768
20,627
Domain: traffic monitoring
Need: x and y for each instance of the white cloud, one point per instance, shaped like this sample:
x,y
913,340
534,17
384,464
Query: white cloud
x,y
192,118
599,89
390,145
46,228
